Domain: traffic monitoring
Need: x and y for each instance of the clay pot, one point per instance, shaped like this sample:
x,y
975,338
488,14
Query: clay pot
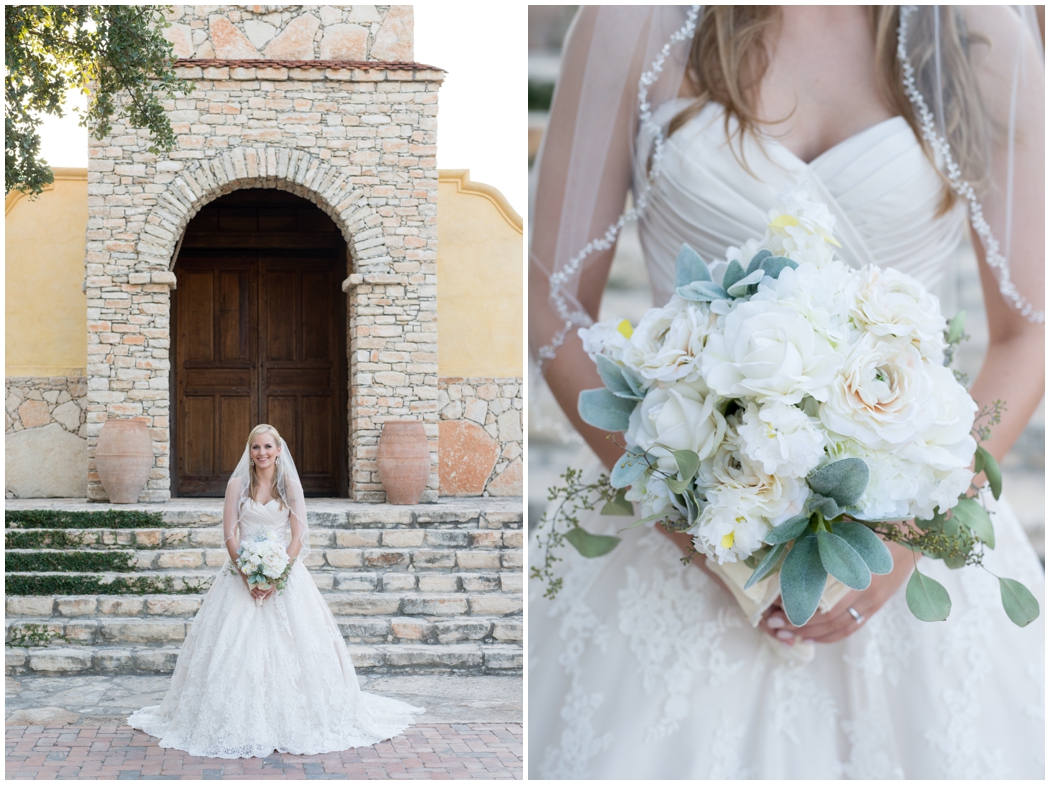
x,y
404,461
124,458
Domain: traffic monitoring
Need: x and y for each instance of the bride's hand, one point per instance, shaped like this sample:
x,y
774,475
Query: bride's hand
x,y
838,623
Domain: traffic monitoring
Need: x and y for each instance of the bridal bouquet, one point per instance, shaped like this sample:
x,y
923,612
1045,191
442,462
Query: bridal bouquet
x,y
266,564
791,413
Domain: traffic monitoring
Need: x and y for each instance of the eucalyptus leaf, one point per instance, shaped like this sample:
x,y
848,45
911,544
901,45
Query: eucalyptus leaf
x,y
766,565
1018,602
978,460
678,485
734,272
788,530
613,378
775,265
802,580
689,267
867,543
688,463
618,505
692,506
758,258
740,288
954,562
702,292
842,562
606,410
927,599
955,329
844,480
974,517
990,466
590,545
629,468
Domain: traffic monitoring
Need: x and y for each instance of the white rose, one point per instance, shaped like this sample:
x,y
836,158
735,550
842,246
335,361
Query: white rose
x,y
781,439
824,296
769,352
667,343
889,303
274,562
882,397
608,338
679,417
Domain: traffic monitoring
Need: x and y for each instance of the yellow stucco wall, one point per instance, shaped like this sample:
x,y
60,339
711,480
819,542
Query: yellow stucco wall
x,y
480,289
44,259
479,280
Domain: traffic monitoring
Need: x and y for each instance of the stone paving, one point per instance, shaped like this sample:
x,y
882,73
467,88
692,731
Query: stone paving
x,y
72,727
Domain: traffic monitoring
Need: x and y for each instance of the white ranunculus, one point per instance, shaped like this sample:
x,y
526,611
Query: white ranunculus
x,y
882,397
609,338
667,343
801,230
824,296
888,302
730,528
679,417
769,352
781,439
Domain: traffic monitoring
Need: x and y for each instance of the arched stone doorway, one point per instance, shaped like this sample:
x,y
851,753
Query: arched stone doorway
x,y
259,335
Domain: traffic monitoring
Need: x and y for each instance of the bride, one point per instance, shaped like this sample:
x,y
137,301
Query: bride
x,y
910,123
264,670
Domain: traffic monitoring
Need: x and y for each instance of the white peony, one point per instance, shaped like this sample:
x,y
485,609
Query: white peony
x,y
781,439
730,528
890,303
882,396
679,417
824,296
769,352
609,338
667,343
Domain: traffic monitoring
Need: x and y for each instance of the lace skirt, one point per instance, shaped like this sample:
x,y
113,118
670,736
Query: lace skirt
x,y
253,679
644,668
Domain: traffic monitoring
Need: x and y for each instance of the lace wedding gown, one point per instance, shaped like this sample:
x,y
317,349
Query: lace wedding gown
x,y
644,668
253,679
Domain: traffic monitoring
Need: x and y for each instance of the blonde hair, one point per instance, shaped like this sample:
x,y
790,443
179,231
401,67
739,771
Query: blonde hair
x,y
728,60
253,478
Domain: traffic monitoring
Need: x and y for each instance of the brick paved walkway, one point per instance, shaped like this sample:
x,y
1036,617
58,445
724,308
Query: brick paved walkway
x,y
439,752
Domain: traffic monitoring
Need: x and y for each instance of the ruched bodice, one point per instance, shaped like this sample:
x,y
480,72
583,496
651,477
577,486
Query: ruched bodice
x,y
879,184
258,520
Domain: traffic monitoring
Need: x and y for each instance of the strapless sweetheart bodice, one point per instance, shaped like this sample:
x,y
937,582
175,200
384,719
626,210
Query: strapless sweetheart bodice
x,y
259,520
879,184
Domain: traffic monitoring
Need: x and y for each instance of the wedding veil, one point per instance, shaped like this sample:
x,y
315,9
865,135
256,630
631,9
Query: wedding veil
x,y
289,489
620,62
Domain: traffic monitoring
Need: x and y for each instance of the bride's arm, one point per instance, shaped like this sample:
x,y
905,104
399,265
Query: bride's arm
x,y
296,518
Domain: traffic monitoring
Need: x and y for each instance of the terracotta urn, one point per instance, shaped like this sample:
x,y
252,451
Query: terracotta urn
x,y
404,461
124,458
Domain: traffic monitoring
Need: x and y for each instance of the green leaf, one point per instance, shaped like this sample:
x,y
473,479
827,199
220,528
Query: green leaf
x,y
618,505
766,565
1018,602
613,378
802,580
788,530
954,562
677,485
955,329
590,545
603,409
734,272
825,505
927,599
740,288
689,267
757,259
974,517
991,469
688,463
773,266
868,544
702,292
978,460
629,468
842,562
844,481
634,381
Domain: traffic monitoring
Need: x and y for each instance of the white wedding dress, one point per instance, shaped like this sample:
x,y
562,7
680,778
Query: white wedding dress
x,y
253,679
644,668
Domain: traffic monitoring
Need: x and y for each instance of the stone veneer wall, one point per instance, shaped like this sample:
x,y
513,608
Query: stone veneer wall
x,y
46,436
357,140
481,441
292,32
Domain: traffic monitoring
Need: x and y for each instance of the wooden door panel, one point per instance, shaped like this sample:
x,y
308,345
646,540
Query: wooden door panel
x,y
279,309
317,316
234,316
281,412
196,317
235,425
317,420
197,448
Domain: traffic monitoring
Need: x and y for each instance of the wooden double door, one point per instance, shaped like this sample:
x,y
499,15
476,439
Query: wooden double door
x,y
260,337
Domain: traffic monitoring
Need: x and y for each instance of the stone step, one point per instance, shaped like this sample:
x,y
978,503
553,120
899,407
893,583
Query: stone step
x,y
139,631
58,608
474,658
136,560
182,537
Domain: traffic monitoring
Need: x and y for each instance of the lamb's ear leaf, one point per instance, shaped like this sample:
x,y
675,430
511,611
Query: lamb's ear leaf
x,y
702,292
844,480
842,562
802,580
927,599
757,259
825,505
613,377
867,543
590,545
689,267
974,517
629,468
604,409
991,469
766,565
775,265
789,529
741,287
1019,603
618,505
734,272
634,382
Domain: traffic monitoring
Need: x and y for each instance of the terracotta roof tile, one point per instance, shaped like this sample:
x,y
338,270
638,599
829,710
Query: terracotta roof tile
x,y
340,64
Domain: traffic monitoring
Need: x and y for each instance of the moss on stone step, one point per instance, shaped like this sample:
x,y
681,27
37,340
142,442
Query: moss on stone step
x,y
103,519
